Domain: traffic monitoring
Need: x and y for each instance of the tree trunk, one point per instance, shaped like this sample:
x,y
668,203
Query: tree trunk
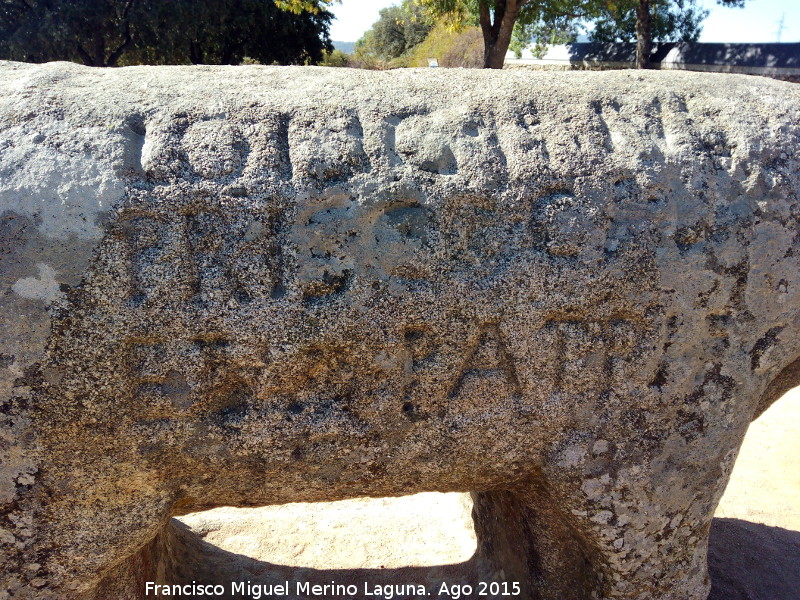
x,y
116,54
100,51
195,53
644,34
85,56
97,57
494,55
497,30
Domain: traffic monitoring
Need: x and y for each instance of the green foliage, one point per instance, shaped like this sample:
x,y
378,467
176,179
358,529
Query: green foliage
x,y
465,51
397,30
462,48
363,56
395,38
537,36
367,61
543,12
673,20
453,14
514,23
123,32
337,58
542,22
300,6
439,41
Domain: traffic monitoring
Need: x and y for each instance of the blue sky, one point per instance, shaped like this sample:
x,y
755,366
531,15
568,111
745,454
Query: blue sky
x,y
757,22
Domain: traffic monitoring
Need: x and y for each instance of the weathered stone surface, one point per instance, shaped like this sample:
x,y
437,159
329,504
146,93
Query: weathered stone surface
x,y
567,293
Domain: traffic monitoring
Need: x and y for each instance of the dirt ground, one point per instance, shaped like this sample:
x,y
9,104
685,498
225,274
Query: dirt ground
x,y
754,552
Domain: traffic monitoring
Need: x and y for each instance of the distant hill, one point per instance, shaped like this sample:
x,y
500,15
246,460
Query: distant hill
x,y
346,47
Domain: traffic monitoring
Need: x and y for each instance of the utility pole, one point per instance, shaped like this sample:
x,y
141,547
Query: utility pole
x,y
781,27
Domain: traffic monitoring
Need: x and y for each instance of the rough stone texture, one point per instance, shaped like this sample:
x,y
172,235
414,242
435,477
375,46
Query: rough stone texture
x,y
566,293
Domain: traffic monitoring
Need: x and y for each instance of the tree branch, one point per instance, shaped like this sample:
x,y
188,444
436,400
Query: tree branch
x,y
484,16
499,14
85,57
127,9
115,55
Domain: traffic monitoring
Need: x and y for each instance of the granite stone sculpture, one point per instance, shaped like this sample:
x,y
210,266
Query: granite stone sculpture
x,y
566,293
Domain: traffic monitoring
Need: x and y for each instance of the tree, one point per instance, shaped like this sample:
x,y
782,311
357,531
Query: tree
x,y
397,30
117,32
681,22
651,20
497,19
538,36
95,33
337,58
545,18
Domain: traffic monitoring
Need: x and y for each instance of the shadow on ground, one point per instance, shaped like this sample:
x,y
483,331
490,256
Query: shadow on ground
x,y
750,561
179,556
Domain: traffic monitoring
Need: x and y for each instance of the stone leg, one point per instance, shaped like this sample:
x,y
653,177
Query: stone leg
x,y
558,553
78,542
175,555
522,539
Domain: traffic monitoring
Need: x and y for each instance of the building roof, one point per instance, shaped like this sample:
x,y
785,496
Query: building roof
x,y
741,58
